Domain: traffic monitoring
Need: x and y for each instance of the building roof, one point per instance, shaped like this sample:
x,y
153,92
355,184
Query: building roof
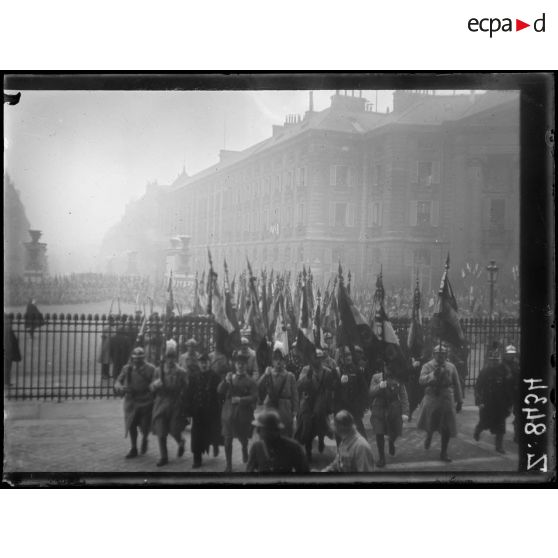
x,y
422,109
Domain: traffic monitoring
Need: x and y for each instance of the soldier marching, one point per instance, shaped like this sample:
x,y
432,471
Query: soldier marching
x,y
276,384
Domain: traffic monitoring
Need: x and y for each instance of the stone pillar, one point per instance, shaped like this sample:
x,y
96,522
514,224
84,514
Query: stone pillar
x,y
35,257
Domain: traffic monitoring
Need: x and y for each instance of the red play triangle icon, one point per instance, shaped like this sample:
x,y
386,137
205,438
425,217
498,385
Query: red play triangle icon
x,y
519,25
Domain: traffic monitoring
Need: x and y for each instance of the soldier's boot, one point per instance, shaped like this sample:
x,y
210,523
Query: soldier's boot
x,y
215,450
477,432
181,447
228,457
164,459
499,443
321,444
143,449
134,441
380,443
245,452
444,453
391,446
428,441
197,461
308,448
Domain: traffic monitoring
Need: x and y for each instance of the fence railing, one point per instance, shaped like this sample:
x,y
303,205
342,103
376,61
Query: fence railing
x,y
70,356
74,357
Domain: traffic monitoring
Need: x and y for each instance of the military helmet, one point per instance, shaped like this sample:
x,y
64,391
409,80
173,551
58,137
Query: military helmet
x,y
268,419
138,353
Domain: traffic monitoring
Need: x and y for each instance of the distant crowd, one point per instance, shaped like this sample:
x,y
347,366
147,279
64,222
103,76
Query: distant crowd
x,y
79,288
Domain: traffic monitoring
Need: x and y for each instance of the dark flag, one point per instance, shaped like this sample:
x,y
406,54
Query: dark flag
x,y
415,337
445,321
255,320
305,333
170,297
390,347
353,329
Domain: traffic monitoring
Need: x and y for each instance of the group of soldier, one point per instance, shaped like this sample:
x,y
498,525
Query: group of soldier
x,y
290,405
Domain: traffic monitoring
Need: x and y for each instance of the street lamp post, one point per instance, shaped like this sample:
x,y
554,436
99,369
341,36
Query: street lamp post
x,y
492,269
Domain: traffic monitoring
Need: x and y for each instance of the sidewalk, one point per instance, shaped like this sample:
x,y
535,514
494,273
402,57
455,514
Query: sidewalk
x,y
88,436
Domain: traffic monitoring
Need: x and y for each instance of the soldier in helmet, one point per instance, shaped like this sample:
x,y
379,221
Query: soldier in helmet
x,y
388,409
316,388
277,388
169,409
442,399
494,399
351,392
274,452
191,354
252,365
133,382
240,393
204,408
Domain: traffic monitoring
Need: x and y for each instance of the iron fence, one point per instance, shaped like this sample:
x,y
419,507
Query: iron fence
x,y
66,356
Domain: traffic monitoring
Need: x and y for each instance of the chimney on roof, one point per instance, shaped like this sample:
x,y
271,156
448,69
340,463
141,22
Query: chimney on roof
x,y
347,103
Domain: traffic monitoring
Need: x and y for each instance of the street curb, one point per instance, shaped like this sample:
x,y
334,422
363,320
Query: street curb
x,y
38,410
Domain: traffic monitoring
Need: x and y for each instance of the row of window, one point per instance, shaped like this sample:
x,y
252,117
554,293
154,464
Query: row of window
x,y
425,173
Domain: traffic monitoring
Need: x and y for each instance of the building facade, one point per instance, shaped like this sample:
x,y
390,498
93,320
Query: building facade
x,y
396,190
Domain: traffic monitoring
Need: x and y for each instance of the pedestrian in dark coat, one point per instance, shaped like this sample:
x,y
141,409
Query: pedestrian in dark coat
x,y
442,400
351,393
103,358
11,350
33,317
240,393
389,407
274,452
277,389
316,388
169,409
202,402
494,398
134,383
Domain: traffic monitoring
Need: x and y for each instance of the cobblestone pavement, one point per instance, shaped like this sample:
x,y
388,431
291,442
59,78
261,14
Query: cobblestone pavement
x,y
96,444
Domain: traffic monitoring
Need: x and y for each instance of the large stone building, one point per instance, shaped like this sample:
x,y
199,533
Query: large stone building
x,y
16,231
400,189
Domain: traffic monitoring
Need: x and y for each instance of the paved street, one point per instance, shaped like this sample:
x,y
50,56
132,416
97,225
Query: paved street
x,y
88,437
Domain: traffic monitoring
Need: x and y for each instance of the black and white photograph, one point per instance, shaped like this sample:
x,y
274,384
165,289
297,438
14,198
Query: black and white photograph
x,y
261,278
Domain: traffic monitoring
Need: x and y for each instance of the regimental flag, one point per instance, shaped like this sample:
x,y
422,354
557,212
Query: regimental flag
x,y
255,318
170,297
202,293
330,320
310,290
305,333
296,297
445,324
415,336
352,327
318,334
280,333
197,307
264,302
224,329
383,328
290,314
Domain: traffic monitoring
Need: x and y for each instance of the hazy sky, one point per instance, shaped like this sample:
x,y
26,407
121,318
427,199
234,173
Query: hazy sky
x,y
78,157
